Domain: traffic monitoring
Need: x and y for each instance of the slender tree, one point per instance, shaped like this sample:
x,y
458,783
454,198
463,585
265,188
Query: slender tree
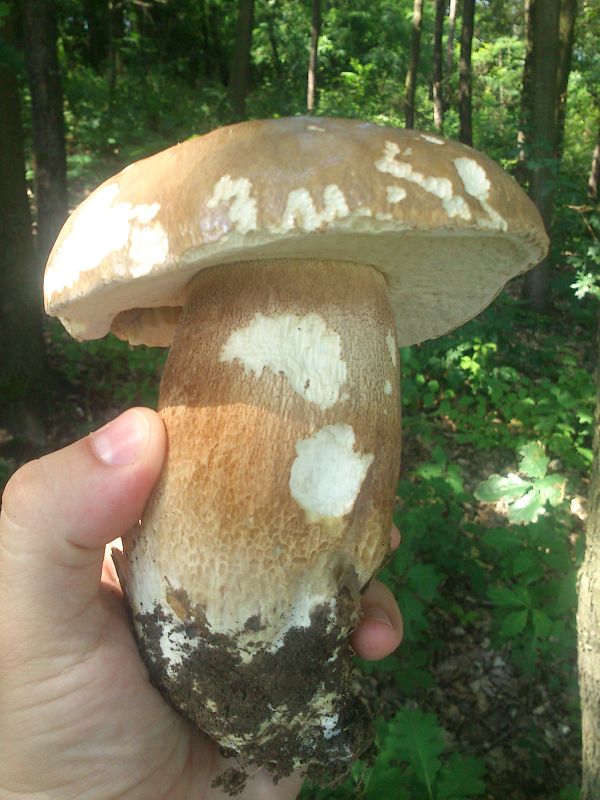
x,y
452,11
410,84
39,23
96,18
464,77
594,179
22,363
277,63
116,16
524,132
239,81
543,136
566,38
437,83
315,32
588,624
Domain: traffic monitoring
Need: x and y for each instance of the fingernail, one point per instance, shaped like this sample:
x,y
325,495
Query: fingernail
x,y
122,441
379,614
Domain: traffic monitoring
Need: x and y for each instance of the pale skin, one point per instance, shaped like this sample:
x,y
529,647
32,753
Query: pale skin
x,y
78,716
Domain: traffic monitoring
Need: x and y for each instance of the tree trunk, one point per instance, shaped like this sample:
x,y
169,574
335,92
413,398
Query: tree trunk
x,y
437,86
239,82
411,76
524,132
39,22
594,179
450,46
22,362
315,32
96,17
566,36
116,33
544,137
464,78
277,65
588,624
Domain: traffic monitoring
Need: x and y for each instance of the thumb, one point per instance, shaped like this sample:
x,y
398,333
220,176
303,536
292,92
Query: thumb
x,y
60,511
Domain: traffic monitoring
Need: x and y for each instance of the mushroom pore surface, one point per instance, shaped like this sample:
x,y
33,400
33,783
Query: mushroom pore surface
x,y
280,398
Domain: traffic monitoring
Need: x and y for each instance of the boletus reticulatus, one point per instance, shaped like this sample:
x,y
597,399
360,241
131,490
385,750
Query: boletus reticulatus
x,y
284,262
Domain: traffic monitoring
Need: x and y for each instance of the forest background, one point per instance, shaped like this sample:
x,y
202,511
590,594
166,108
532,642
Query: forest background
x,y
482,700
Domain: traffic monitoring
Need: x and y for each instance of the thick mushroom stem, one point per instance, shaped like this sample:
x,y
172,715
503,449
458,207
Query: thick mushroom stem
x,y
280,397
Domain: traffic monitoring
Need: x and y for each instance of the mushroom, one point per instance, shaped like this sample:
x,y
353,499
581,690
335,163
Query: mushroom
x,y
285,262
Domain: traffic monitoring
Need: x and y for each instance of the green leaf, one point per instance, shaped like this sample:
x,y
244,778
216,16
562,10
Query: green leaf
x,y
503,596
534,461
424,579
552,489
542,624
461,778
527,508
501,539
498,487
417,738
514,623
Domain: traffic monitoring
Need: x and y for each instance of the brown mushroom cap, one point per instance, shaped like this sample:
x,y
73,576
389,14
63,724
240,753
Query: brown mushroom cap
x,y
445,225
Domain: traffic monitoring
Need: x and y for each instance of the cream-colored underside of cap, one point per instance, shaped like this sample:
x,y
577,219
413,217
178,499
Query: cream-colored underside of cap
x,y
436,281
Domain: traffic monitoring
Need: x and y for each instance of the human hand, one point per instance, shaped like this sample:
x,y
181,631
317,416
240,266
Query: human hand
x,y
78,716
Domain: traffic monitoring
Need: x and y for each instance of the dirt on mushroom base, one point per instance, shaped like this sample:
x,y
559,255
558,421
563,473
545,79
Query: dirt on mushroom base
x,y
270,703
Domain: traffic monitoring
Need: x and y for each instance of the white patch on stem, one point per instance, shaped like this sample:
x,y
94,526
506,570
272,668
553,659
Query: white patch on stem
x,y
327,474
304,349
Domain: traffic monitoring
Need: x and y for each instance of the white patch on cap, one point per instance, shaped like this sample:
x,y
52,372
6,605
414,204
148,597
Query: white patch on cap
x,y
454,205
395,193
307,352
387,387
236,195
101,228
301,212
477,184
149,246
433,139
327,474
391,343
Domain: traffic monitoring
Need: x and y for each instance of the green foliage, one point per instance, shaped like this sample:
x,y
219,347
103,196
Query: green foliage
x,y
412,764
107,371
525,499
587,263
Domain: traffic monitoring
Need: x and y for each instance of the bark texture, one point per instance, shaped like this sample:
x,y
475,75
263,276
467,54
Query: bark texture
x,y
524,132
464,78
437,84
566,37
594,179
22,370
411,76
544,136
588,625
39,22
315,32
239,82
450,40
